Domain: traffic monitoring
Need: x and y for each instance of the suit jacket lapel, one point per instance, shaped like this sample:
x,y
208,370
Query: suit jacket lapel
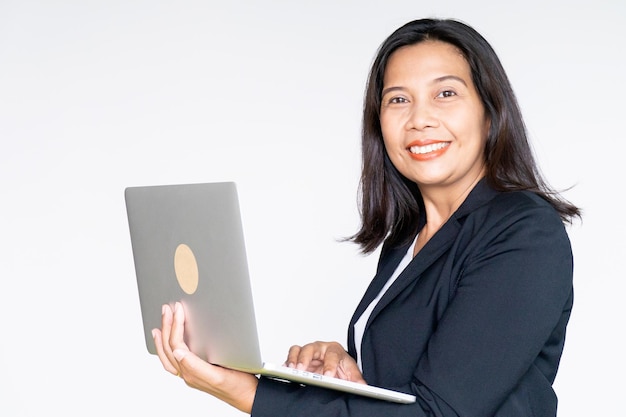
x,y
431,252
435,247
386,268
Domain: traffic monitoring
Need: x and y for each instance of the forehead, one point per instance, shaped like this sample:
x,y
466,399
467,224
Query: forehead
x,y
427,59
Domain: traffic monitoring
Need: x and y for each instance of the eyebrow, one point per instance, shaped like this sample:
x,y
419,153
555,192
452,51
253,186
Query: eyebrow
x,y
435,81
449,77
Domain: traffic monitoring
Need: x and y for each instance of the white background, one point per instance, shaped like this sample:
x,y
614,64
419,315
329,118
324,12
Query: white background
x,y
98,95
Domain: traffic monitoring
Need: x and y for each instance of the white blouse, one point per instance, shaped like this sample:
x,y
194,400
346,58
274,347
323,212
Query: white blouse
x,y
359,326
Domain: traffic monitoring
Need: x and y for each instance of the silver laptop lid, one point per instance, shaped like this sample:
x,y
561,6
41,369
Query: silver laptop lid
x,y
188,246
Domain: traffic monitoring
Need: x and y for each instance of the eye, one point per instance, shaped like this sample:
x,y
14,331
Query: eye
x,y
398,100
446,93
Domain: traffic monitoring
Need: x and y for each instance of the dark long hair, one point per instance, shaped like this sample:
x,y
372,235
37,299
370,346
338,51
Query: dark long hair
x,y
390,204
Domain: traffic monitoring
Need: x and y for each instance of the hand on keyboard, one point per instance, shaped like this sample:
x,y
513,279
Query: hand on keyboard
x,y
325,358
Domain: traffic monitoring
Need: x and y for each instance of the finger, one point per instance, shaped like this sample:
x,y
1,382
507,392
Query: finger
x,y
333,356
348,369
166,330
158,342
176,337
180,354
292,356
311,357
306,354
331,361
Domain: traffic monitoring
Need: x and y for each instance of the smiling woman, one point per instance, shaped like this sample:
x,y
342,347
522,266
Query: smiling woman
x,y
468,308
389,207
434,126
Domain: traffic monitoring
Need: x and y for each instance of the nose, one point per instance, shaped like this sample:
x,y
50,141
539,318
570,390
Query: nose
x,y
421,116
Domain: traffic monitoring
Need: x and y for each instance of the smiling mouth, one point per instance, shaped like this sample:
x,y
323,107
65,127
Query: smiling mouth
x,y
421,150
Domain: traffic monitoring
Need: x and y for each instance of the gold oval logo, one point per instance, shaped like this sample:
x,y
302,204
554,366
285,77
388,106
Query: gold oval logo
x,y
186,268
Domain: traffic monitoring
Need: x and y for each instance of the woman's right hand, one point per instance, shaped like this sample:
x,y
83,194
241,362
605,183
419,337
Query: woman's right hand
x,y
236,388
326,358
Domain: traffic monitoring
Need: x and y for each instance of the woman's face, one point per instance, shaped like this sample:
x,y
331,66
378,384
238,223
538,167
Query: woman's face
x,y
433,121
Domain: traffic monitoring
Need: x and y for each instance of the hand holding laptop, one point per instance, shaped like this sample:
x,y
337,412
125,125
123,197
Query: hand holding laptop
x,y
234,387
189,249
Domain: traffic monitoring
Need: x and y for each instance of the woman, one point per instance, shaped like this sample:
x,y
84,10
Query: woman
x,y
473,290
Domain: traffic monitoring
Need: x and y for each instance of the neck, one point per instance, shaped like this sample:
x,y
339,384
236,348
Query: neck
x,y
440,204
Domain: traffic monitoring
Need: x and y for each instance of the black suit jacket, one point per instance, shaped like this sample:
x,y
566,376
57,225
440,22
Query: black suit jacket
x,y
474,326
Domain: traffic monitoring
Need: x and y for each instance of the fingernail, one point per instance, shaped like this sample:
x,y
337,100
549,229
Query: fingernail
x,y
163,309
154,333
179,354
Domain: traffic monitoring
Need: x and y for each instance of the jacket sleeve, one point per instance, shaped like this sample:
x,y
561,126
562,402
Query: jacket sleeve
x,y
513,285
504,327
275,398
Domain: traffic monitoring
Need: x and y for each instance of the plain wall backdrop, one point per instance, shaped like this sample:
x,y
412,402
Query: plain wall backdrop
x,y
99,95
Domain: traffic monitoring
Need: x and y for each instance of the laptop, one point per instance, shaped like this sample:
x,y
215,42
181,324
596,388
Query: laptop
x,y
188,246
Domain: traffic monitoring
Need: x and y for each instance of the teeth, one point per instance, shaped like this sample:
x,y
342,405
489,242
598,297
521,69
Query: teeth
x,y
428,148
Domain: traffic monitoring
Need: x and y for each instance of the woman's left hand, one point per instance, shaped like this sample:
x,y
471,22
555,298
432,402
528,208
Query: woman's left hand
x,y
236,388
327,358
